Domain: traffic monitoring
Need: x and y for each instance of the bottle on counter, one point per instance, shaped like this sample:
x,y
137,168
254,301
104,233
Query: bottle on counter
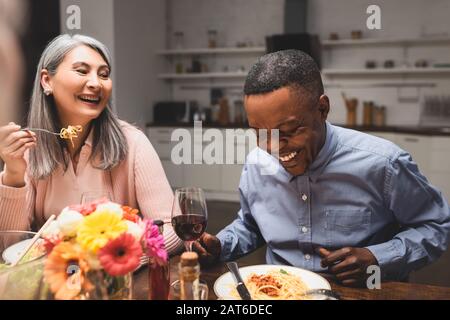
x,y
351,106
189,275
379,118
224,112
158,275
368,113
238,112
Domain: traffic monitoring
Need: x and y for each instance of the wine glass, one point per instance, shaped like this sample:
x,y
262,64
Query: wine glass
x,y
189,214
91,196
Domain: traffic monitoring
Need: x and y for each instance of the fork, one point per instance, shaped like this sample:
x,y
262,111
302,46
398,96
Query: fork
x,y
42,130
322,292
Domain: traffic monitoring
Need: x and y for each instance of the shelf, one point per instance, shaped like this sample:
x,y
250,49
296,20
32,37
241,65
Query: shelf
x,y
392,41
378,84
205,51
393,71
209,75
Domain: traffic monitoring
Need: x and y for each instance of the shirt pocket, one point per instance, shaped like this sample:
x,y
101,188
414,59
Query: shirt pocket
x,y
347,227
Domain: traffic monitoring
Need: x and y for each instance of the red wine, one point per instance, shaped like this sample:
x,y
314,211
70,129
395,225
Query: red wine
x,y
159,281
189,227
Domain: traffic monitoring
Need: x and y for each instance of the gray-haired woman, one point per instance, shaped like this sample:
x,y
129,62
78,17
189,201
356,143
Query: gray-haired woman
x,y
44,173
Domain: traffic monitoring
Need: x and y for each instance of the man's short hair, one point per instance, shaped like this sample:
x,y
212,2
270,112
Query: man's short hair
x,y
279,69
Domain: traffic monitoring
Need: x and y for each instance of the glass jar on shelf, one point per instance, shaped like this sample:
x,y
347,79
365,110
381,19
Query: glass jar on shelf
x,y
179,68
212,38
178,40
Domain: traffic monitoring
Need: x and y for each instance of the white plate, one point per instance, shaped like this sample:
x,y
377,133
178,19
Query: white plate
x,y
225,283
12,253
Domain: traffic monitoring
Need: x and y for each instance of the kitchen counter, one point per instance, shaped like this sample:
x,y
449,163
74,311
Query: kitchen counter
x,y
190,125
426,131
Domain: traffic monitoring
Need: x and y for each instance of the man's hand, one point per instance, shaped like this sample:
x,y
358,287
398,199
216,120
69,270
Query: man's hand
x,y
349,265
208,248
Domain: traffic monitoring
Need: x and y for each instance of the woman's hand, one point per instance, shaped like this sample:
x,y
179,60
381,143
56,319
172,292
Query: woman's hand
x,y
13,144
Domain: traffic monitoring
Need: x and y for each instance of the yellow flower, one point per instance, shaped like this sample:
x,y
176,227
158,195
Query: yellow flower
x,y
96,229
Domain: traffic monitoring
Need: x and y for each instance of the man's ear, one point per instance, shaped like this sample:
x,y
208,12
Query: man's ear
x,y
324,106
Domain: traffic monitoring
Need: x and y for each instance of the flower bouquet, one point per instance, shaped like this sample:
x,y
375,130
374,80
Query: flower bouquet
x,y
94,248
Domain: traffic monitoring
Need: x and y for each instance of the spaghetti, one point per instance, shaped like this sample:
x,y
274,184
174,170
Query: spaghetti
x,y
70,133
275,285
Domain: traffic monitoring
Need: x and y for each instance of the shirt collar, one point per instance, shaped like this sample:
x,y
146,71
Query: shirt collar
x,y
90,138
327,150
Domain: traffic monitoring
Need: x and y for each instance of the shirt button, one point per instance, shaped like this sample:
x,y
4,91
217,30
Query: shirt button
x,y
307,257
304,197
304,229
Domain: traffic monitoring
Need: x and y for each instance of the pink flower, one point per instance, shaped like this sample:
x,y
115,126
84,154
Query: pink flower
x,y
88,208
120,255
155,243
51,241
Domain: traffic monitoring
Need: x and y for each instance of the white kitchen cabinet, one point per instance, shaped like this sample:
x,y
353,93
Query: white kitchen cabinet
x,y
174,173
440,154
231,175
440,164
384,135
160,139
440,161
440,143
154,133
419,147
442,182
220,181
431,153
207,177
163,148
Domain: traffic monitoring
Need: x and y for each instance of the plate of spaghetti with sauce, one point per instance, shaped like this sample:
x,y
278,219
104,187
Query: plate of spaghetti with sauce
x,y
271,282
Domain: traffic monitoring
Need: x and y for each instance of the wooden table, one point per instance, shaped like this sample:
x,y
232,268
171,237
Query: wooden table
x,y
388,291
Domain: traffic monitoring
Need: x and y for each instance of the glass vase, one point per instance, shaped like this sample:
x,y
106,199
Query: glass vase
x,y
22,281
107,287
97,285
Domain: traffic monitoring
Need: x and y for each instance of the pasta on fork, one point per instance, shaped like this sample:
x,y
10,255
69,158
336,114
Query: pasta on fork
x,y
70,133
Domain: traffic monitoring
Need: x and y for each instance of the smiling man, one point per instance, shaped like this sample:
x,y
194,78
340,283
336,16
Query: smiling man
x,y
340,201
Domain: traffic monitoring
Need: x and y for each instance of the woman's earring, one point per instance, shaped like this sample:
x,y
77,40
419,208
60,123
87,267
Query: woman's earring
x,y
47,92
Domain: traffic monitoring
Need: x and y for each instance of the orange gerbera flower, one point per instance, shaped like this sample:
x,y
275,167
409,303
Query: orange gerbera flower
x,y
130,214
65,271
